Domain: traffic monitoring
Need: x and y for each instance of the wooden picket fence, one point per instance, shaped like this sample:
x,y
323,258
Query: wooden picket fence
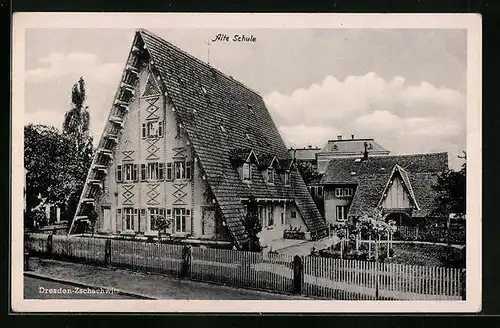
x,y
350,279
311,276
243,269
152,257
91,250
36,242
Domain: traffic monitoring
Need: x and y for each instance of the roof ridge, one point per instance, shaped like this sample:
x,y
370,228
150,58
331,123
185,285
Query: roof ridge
x,y
228,77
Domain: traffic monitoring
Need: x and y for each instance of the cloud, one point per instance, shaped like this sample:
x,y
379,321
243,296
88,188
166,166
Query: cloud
x,y
48,87
75,64
403,118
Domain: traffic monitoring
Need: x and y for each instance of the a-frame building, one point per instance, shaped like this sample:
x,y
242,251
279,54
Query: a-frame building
x,y
187,142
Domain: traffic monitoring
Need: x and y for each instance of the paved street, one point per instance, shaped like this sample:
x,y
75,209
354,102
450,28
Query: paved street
x,y
35,288
150,285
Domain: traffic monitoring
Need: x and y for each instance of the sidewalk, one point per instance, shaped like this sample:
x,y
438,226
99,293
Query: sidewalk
x,y
305,247
142,284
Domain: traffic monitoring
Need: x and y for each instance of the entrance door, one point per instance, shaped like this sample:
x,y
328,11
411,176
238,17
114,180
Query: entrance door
x,y
106,213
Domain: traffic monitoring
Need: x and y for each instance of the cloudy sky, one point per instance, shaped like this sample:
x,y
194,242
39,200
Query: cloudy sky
x,y
404,88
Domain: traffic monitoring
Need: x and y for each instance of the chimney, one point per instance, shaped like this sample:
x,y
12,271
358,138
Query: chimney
x,y
352,136
339,137
365,154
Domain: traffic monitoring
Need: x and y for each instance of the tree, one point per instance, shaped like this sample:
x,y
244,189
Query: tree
x,y
77,119
309,172
161,224
253,225
451,191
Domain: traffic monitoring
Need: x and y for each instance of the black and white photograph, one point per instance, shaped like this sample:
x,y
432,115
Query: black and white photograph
x,y
183,159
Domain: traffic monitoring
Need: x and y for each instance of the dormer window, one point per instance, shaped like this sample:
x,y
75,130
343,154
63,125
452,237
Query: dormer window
x,y
204,90
286,178
270,175
222,128
247,171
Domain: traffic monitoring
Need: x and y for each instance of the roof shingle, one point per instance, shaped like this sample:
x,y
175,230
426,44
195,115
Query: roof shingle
x,y
226,102
419,171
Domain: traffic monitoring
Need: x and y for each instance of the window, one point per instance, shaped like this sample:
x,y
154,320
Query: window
x,y
222,128
180,218
293,215
129,216
266,216
119,176
270,216
347,192
152,129
270,175
143,172
179,170
154,214
313,191
320,191
247,171
152,171
339,192
182,170
343,192
342,213
130,172
282,218
286,178
169,171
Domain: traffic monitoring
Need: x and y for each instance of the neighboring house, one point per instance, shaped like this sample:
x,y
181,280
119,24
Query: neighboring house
x,y
350,148
304,154
400,186
187,142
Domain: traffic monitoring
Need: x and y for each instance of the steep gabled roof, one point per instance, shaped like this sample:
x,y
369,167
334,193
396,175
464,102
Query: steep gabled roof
x,y
220,114
419,173
406,182
339,169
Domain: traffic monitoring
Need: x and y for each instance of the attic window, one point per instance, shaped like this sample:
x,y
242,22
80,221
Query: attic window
x,y
222,128
353,173
248,136
204,90
357,160
250,107
270,175
286,178
247,171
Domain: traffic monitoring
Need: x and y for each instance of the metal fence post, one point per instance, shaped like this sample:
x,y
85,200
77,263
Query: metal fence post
x,y
107,252
298,274
49,244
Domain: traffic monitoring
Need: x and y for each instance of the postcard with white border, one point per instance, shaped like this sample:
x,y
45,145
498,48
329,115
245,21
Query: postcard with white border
x,y
246,163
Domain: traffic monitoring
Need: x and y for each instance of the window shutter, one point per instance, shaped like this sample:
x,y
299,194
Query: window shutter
x,y
119,173
161,171
135,221
144,130
160,129
143,172
135,176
